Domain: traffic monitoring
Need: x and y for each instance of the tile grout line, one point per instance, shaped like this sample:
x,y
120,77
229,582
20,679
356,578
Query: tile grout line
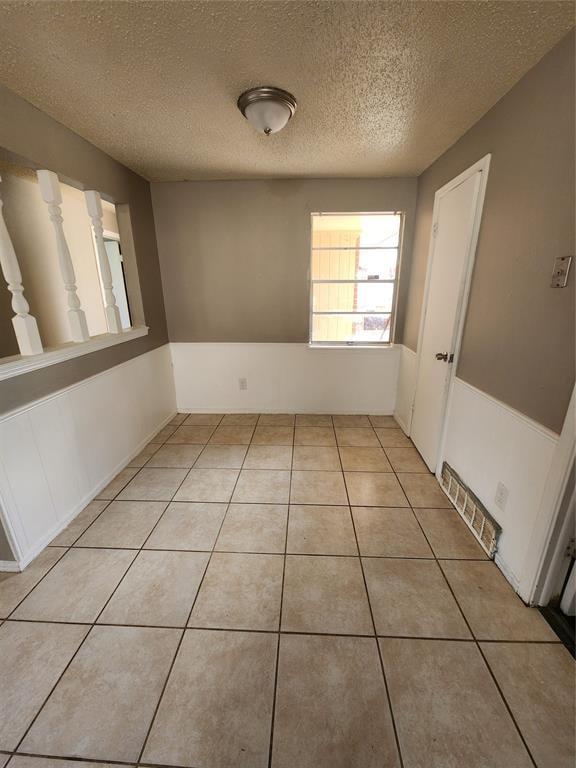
x,y
104,508
183,634
378,649
52,689
90,760
298,503
136,466
508,708
277,665
308,554
289,631
8,617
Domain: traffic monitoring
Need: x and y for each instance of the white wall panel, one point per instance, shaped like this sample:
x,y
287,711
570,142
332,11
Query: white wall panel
x,y
292,378
57,445
25,489
406,385
488,442
58,452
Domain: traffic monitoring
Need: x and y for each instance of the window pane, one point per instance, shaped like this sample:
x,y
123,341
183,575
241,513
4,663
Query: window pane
x,y
356,264
352,297
351,328
356,230
354,260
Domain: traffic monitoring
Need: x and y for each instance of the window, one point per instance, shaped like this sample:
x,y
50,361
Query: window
x,y
354,276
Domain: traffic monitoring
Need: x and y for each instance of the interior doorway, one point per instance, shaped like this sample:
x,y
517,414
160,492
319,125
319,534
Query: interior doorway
x,y
455,225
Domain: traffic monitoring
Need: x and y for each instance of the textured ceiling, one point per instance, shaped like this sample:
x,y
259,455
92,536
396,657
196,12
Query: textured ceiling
x,y
383,87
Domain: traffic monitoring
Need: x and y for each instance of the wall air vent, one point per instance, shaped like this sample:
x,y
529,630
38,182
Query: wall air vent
x,y
471,509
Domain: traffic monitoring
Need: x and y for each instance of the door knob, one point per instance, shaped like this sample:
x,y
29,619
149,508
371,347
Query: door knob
x,y
444,356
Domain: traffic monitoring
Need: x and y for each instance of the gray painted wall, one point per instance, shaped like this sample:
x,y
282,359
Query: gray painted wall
x,y
33,137
235,255
518,343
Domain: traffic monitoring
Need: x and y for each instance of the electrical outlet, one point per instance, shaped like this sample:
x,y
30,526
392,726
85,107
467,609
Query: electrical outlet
x,y
501,496
242,383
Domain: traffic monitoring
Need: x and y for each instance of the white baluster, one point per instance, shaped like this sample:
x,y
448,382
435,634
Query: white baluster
x,y
50,190
94,207
24,323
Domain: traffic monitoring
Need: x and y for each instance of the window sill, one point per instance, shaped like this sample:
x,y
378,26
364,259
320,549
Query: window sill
x,y
19,364
373,347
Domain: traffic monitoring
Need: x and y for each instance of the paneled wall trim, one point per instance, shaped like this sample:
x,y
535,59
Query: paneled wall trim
x,y
58,452
406,385
291,378
488,442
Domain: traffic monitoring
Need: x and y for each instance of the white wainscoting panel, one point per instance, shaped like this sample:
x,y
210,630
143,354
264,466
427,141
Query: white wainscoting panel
x,y
292,378
488,442
406,385
57,453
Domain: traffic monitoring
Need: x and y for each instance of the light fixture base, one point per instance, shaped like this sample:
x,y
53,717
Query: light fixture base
x,y
267,101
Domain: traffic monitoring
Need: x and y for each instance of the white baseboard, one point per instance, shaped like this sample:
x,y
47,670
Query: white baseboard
x,y
72,443
509,575
406,385
488,442
290,378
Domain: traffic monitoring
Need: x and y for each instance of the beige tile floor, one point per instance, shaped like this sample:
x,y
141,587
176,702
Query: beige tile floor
x,y
285,591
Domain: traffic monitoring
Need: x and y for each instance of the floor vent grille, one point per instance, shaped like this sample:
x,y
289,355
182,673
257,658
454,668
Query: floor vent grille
x,y
471,509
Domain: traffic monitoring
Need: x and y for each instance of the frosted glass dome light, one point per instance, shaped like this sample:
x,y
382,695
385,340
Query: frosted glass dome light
x,y
266,108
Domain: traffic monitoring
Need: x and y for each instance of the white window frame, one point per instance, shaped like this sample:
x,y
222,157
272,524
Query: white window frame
x,y
395,281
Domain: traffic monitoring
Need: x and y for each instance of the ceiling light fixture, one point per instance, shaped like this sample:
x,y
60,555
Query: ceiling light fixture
x,y
266,108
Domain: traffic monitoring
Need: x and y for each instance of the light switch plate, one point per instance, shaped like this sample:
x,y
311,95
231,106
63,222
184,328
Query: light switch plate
x,y
560,271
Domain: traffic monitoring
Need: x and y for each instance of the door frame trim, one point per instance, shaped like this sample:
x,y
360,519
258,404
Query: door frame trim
x,y
482,165
554,525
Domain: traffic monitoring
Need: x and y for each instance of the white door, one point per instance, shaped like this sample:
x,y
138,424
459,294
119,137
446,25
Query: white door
x,y
457,209
568,593
568,597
